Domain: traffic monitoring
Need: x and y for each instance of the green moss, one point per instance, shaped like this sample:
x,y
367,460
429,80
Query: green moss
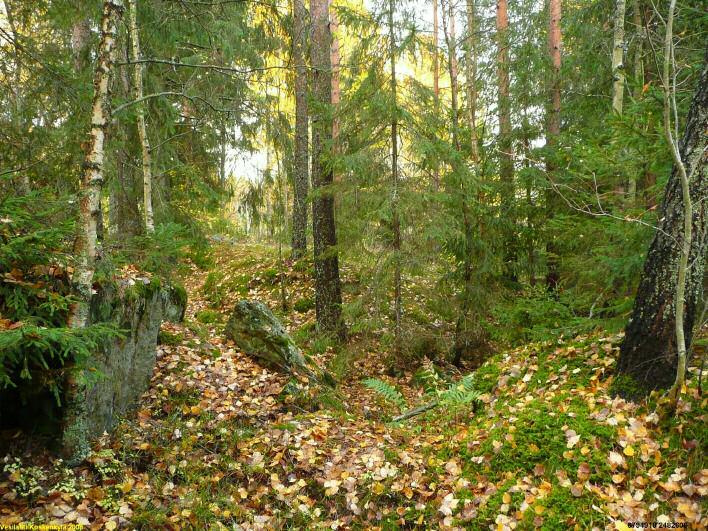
x,y
627,387
167,338
208,316
304,305
178,295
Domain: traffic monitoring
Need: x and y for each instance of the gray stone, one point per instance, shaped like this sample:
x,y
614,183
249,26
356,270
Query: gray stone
x,y
124,366
258,333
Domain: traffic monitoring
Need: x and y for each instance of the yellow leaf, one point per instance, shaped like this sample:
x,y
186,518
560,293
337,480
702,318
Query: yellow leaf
x,y
111,525
538,509
621,526
378,488
506,498
629,450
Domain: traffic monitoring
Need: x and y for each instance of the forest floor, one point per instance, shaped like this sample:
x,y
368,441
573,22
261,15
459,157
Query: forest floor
x,y
217,443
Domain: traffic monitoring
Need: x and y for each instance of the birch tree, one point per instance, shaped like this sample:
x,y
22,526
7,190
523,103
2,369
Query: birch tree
x,y
140,112
618,68
471,53
74,442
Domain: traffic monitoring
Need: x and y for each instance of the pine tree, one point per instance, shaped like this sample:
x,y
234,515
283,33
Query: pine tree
x,y
670,292
553,128
301,174
328,295
506,157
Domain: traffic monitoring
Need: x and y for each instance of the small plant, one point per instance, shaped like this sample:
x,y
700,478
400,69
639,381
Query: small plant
x,y
26,479
450,397
106,464
66,481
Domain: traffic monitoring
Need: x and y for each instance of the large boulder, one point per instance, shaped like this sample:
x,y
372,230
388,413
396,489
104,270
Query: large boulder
x,y
258,333
124,366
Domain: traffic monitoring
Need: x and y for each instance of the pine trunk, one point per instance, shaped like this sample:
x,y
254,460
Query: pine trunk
x,y
506,160
649,350
396,222
140,110
22,186
553,127
74,438
301,177
328,295
471,51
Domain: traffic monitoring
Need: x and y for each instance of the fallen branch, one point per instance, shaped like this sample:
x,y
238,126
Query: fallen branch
x,y
416,411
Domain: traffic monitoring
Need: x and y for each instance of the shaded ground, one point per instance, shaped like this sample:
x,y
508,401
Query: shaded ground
x,y
218,443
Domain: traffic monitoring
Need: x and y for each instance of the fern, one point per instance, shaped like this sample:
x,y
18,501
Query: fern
x,y
460,393
387,391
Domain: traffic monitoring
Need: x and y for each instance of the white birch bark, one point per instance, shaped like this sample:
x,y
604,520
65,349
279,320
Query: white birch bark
x,y
140,110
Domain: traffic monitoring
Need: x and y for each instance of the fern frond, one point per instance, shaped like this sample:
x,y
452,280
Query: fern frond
x,y
387,391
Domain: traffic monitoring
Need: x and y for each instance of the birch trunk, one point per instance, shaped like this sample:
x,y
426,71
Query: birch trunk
x,y
301,177
74,437
140,111
618,57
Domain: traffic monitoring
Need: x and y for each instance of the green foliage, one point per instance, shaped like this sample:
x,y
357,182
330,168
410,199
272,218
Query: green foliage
x,y
35,298
387,391
538,316
26,480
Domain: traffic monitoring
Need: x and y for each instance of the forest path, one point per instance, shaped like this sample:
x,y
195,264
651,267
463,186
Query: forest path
x,y
216,443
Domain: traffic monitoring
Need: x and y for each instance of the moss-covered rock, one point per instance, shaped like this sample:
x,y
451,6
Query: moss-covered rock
x,y
124,366
258,333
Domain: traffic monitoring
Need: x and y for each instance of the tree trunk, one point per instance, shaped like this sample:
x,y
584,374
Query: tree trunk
x,y
618,57
334,58
649,350
436,62
436,84
301,177
23,185
80,34
395,218
74,441
462,339
553,126
222,155
506,160
471,51
140,110
328,295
